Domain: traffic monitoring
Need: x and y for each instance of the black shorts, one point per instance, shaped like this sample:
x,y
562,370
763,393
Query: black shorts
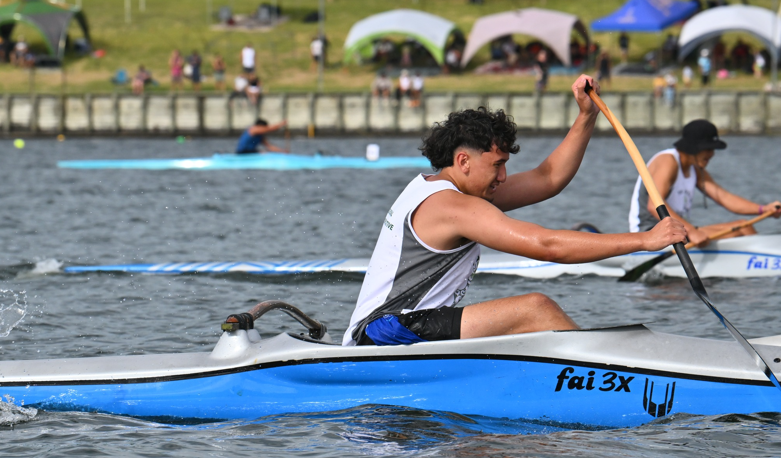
x,y
443,323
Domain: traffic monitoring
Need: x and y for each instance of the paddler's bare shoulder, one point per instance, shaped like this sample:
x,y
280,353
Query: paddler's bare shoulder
x,y
663,162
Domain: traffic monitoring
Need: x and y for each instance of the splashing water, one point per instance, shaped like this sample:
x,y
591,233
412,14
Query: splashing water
x,y
13,307
11,414
44,267
47,266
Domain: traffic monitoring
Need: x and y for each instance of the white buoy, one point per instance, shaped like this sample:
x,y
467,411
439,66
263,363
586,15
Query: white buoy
x,y
372,152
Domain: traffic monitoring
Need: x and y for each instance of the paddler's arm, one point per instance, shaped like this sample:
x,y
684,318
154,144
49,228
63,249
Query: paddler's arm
x,y
273,148
449,219
263,130
558,169
731,202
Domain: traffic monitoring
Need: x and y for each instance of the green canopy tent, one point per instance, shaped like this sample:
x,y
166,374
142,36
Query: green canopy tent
x,y
50,19
429,30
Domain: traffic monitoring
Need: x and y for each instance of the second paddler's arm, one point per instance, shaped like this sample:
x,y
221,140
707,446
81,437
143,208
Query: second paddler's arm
x,y
557,170
726,199
472,218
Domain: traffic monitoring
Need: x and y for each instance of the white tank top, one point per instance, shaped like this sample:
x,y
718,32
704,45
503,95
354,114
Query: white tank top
x,y
679,199
405,274
247,57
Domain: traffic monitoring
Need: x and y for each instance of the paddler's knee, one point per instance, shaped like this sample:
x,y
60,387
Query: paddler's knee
x,y
550,315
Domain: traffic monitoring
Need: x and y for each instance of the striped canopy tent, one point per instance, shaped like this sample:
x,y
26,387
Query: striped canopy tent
x,y
764,24
551,27
50,19
429,30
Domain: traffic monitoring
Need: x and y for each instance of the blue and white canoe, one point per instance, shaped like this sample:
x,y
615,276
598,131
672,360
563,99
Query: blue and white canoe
x,y
743,257
262,161
615,377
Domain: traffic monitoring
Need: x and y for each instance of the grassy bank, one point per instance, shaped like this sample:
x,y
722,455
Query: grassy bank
x,y
283,53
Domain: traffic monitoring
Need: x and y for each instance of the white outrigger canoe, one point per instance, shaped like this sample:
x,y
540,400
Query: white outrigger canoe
x,y
613,377
741,257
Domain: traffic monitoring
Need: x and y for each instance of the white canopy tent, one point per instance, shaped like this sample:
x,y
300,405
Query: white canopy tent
x,y
760,22
430,30
553,28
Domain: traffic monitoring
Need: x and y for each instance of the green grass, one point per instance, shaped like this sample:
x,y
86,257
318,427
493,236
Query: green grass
x,y
283,53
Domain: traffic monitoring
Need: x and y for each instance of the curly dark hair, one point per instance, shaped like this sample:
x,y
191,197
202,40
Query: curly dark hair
x,y
474,129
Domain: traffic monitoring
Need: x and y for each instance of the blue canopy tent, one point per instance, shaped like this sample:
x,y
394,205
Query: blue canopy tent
x,y
645,16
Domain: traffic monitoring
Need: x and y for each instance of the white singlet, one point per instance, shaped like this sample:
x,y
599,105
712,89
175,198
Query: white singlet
x,y
247,57
404,273
679,199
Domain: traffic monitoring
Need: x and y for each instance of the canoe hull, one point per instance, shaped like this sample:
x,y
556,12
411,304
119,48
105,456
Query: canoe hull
x,y
494,388
745,257
516,377
262,161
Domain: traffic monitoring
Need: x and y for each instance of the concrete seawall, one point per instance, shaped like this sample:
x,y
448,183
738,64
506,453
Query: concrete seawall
x,y
215,114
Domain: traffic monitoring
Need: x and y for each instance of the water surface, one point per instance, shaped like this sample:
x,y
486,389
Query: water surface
x,y
52,217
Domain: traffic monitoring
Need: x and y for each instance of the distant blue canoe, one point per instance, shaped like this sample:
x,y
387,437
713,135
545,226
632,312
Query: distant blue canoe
x,y
262,161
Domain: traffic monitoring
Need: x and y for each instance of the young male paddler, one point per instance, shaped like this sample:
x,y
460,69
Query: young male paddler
x,y
255,136
677,172
429,244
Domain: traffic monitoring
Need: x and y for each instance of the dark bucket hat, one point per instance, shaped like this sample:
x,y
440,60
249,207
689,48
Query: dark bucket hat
x,y
699,135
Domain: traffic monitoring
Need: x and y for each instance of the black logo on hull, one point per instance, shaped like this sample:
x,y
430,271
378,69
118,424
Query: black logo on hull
x,y
654,409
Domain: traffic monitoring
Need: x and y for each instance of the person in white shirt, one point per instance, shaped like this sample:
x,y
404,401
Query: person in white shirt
x,y
316,51
417,89
405,86
248,59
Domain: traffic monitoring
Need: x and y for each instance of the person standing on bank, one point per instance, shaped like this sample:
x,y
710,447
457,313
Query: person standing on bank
x,y
255,136
677,172
429,244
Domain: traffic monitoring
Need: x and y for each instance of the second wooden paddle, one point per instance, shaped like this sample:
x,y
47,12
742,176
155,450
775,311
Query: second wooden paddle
x,y
638,271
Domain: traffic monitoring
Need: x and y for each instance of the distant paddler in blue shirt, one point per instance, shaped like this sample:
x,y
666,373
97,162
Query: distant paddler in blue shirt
x,y
677,172
256,136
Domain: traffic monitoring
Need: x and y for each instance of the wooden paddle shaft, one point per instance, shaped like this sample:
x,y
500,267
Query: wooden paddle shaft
x,y
740,226
650,186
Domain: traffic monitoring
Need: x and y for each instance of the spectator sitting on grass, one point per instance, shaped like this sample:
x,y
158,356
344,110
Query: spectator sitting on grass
x,y
18,56
141,79
240,86
253,89
381,86
404,87
417,90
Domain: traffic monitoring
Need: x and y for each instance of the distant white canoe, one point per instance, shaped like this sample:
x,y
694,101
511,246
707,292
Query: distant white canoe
x,y
262,161
744,257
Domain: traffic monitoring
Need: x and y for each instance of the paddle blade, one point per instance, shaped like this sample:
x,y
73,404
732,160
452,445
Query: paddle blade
x,y
699,290
637,272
